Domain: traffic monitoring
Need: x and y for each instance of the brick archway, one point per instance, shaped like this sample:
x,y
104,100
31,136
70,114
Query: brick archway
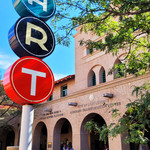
x,y
40,137
89,141
62,133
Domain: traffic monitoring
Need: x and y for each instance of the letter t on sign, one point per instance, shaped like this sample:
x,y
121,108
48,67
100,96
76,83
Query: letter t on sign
x,y
33,74
44,3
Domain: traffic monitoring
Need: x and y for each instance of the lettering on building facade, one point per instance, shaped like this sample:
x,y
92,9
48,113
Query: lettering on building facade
x,y
95,106
52,114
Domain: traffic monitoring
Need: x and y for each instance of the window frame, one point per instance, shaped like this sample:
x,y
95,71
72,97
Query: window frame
x,y
64,90
50,98
93,80
103,76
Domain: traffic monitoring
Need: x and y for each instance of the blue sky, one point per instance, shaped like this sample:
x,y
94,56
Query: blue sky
x,y
61,61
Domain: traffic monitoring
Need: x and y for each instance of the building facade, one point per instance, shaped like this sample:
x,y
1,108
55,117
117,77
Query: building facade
x,y
90,94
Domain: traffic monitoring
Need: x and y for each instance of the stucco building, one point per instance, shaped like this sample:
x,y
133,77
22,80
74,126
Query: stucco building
x,y
87,95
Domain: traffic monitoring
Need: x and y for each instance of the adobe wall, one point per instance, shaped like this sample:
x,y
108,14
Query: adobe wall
x,y
57,89
85,62
90,101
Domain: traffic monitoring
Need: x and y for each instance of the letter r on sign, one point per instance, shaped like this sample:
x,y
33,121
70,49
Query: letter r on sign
x,y
44,3
30,39
34,74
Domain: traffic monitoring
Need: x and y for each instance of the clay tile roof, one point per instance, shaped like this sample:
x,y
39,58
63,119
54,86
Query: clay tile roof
x,y
65,79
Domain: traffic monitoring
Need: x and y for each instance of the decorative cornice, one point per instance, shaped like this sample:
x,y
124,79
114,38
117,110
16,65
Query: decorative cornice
x,y
102,86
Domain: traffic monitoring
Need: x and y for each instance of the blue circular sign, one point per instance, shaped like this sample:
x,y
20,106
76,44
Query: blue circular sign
x,y
44,9
31,36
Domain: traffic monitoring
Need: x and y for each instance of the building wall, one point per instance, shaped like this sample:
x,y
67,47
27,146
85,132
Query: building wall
x,y
89,101
85,62
70,88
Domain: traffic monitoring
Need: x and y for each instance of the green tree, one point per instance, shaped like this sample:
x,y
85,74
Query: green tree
x,y
126,26
9,110
135,123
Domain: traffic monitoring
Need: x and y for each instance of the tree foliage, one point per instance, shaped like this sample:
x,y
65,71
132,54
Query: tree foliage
x,y
8,109
125,24
102,131
135,123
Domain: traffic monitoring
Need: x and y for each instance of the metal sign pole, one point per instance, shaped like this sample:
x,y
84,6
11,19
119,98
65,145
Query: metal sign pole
x,y
26,128
14,80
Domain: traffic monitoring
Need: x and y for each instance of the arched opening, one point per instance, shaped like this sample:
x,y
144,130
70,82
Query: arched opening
x,y
91,78
18,137
7,137
40,137
62,134
119,72
134,146
102,75
147,134
43,138
10,138
90,141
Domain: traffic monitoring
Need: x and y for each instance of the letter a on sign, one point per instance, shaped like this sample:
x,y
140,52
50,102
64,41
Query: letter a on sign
x,y
43,9
44,3
29,81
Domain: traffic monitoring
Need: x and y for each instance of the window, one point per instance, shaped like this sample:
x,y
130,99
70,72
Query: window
x,y
119,72
103,76
93,79
50,98
89,51
63,90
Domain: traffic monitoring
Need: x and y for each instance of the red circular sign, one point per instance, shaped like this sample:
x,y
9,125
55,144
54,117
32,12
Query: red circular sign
x,y
29,81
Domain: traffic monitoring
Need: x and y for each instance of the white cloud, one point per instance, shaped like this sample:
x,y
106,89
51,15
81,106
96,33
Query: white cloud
x,y
58,76
6,61
4,64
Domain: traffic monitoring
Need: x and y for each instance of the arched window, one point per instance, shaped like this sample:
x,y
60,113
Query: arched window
x,y
119,72
93,79
93,141
102,75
